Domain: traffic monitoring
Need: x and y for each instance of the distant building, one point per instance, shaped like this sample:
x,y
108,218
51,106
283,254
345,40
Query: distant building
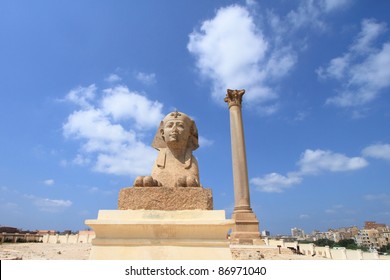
x,y
8,230
297,233
265,233
373,225
386,236
368,238
44,231
335,234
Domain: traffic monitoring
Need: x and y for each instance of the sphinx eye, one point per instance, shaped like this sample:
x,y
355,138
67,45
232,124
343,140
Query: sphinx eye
x,y
170,124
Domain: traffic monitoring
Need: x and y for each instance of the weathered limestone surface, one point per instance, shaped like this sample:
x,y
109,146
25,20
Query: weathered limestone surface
x,y
246,229
160,235
164,198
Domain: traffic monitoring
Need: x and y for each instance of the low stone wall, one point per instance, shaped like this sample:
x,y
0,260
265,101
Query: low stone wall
x,y
19,237
354,254
250,252
340,253
68,238
323,252
370,256
307,249
275,242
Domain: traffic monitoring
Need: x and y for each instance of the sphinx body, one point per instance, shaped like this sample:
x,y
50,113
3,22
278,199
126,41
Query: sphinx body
x,y
175,166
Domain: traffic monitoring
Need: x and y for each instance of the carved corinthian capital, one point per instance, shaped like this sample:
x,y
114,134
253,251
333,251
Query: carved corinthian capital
x,y
234,97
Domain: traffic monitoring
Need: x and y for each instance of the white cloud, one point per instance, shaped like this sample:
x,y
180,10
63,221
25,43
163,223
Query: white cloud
x,y
45,202
250,2
385,198
82,95
130,159
379,151
105,143
49,205
92,124
336,209
96,190
232,52
93,190
363,70
204,142
123,104
315,161
304,216
310,13
371,30
147,79
81,160
48,182
280,62
332,5
307,14
336,69
112,78
301,116
312,162
275,182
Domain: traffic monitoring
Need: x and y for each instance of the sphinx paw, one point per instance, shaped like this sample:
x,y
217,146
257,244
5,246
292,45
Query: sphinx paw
x,y
192,182
187,181
146,181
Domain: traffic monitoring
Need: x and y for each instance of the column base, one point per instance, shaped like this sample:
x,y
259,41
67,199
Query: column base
x,y
246,229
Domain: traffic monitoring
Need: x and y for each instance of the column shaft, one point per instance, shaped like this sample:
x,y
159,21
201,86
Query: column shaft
x,y
240,173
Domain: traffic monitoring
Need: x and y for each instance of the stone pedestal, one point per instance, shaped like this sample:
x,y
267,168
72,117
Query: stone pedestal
x,y
246,229
160,235
165,198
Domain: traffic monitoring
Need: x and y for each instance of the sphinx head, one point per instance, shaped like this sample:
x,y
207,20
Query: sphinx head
x,y
176,130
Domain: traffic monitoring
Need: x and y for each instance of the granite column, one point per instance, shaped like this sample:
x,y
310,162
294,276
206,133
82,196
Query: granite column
x,y
247,226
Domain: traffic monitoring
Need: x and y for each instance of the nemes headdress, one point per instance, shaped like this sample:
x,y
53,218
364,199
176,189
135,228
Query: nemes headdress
x,y
192,144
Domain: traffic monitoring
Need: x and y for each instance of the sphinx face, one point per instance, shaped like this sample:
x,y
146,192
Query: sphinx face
x,y
176,131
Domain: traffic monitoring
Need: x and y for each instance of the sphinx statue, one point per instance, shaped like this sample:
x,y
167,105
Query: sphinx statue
x,y
174,181
175,166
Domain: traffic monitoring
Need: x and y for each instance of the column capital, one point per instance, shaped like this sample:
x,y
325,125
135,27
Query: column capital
x,y
234,97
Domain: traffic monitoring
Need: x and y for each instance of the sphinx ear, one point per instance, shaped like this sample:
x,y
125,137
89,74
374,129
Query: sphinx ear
x,y
194,136
158,141
162,133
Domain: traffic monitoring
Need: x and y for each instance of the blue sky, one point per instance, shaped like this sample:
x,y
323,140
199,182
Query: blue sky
x,y
84,85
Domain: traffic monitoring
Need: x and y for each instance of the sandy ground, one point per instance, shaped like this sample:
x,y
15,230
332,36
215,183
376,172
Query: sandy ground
x,y
44,251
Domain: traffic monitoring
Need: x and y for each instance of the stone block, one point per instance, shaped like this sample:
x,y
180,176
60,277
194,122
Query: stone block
x,y
246,229
165,198
160,235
